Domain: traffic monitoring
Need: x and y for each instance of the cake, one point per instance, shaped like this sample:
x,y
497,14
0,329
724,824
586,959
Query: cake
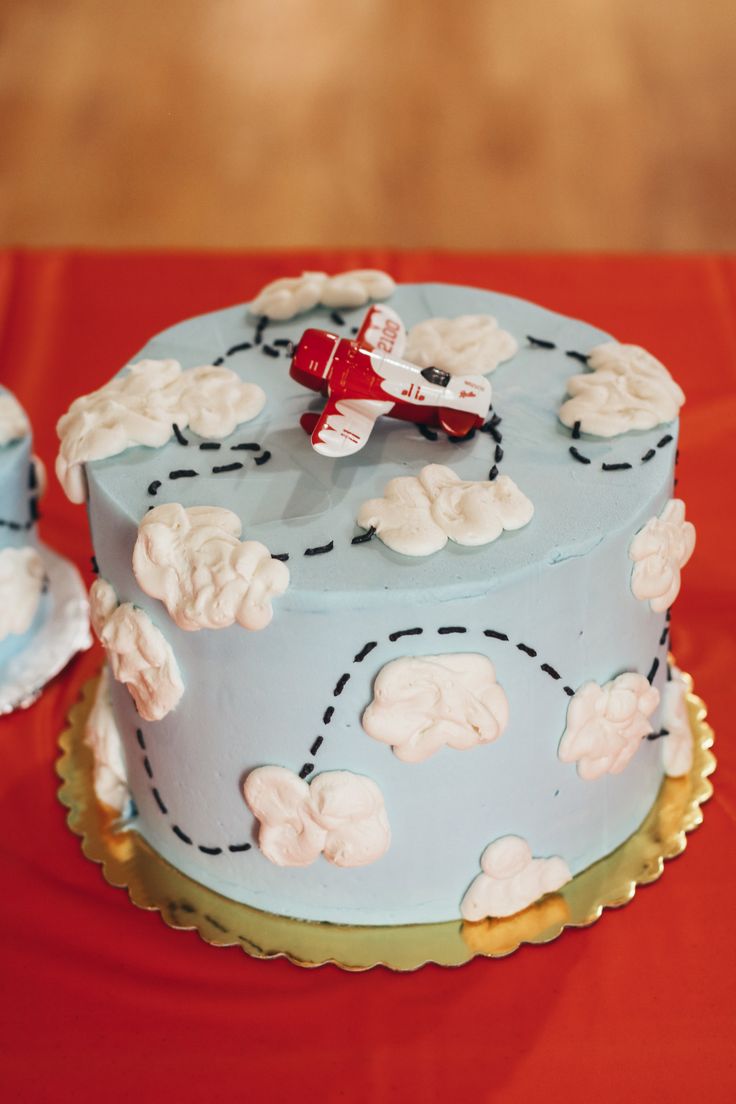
x,y
23,601
363,669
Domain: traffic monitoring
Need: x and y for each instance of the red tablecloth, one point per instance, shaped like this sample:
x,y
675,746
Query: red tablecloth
x,y
101,999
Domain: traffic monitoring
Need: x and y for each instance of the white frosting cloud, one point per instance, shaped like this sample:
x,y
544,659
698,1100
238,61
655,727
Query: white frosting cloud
x,y
21,583
511,880
627,389
677,746
138,653
140,408
659,551
416,516
192,559
606,724
102,735
423,703
339,814
472,343
13,419
292,295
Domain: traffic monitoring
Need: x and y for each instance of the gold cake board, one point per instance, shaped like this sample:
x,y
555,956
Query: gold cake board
x,y
129,861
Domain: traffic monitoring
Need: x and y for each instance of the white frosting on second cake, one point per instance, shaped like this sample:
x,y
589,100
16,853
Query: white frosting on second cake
x,y
21,582
511,880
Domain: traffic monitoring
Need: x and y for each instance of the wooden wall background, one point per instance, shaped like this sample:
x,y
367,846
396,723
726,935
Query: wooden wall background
x,y
508,124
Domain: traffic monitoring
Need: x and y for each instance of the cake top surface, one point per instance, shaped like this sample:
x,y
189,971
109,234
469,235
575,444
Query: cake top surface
x,y
305,505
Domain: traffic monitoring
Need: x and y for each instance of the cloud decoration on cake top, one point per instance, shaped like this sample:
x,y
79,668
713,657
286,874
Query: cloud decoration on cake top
x,y
13,419
101,734
193,560
138,653
423,703
417,515
627,388
472,343
660,550
606,724
338,814
677,745
291,295
22,577
141,406
511,880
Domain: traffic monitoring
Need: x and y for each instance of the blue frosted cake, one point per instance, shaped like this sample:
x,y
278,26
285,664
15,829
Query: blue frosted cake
x,y
364,669
23,603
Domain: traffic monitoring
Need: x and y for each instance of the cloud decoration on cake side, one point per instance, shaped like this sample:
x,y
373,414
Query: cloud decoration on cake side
x,y
511,880
627,389
291,295
22,576
606,724
138,653
193,560
338,814
471,344
660,550
417,515
102,736
423,703
677,745
141,406
14,422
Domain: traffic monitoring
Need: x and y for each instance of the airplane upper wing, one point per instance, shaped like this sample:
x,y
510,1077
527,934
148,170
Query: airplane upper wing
x,y
382,329
345,425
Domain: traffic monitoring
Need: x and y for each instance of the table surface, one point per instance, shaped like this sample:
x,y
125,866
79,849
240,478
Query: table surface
x,y
102,997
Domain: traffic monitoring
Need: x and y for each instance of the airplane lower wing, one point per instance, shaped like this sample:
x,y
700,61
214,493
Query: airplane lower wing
x,y
346,424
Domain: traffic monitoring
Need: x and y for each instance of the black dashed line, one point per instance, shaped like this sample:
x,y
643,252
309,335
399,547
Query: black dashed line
x,y
394,636
209,850
653,670
154,486
320,549
139,738
577,356
236,847
337,318
316,745
210,446
147,766
550,671
498,455
263,459
446,629
235,466
493,474
648,455
327,716
575,434
341,684
179,435
182,835
269,350
363,538
182,473
239,348
540,342
665,440
159,800
579,456
283,556
246,446
306,770
364,651
525,648
495,634
569,691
